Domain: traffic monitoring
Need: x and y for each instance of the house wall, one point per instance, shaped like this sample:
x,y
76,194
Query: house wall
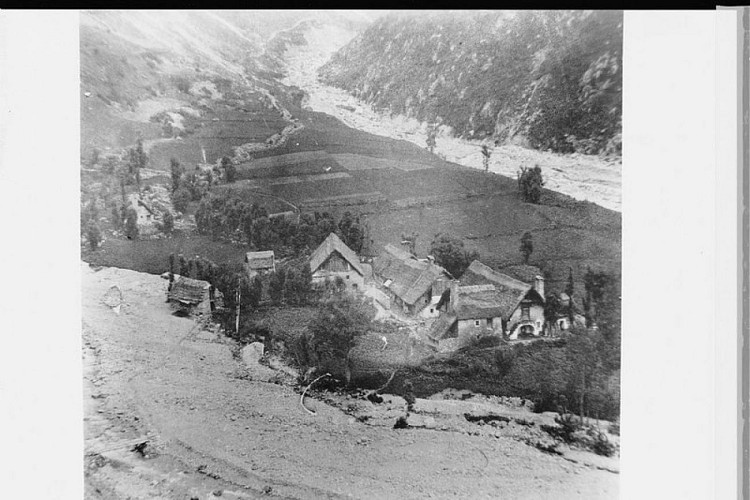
x,y
335,263
468,330
352,279
430,310
201,308
536,314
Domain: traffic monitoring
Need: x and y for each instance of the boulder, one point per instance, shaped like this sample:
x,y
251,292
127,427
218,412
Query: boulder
x,y
421,421
252,353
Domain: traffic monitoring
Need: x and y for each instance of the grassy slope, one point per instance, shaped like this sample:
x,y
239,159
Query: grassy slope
x,y
566,233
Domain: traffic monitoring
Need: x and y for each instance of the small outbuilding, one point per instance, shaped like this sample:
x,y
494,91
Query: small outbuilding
x,y
260,263
190,296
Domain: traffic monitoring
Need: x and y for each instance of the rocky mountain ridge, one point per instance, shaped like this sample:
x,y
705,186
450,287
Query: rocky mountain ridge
x,y
550,80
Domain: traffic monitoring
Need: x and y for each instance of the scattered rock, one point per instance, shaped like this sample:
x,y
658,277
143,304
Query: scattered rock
x,y
425,422
252,353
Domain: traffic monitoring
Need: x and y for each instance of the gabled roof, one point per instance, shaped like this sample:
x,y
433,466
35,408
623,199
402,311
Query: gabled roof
x,y
188,290
441,326
522,272
259,260
486,293
330,245
409,277
398,252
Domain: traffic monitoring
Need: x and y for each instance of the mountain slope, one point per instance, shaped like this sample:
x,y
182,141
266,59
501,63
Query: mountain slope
x,y
552,79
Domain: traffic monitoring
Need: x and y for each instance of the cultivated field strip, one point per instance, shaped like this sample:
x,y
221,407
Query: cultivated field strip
x,y
345,199
283,160
357,162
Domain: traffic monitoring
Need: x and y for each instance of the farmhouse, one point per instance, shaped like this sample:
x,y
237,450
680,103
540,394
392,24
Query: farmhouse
x,y
334,259
487,302
190,296
259,263
413,286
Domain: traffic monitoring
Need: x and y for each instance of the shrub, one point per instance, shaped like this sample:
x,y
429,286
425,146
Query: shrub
x,y
131,224
530,184
449,252
167,224
181,199
333,332
94,235
567,426
602,446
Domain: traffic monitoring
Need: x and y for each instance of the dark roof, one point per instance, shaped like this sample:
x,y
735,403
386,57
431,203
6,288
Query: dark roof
x,y
260,260
486,293
441,326
399,253
334,244
522,272
188,290
410,278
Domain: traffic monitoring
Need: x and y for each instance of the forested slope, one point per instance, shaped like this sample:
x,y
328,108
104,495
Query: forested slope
x,y
551,80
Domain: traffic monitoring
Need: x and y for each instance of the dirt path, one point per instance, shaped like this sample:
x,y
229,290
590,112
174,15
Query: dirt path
x,y
152,377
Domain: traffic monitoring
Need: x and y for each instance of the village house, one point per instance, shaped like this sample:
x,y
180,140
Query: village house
x,y
191,297
487,302
334,259
414,287
259,263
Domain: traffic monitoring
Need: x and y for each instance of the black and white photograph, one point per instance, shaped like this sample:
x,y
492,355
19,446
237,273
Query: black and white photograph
x,y
351,254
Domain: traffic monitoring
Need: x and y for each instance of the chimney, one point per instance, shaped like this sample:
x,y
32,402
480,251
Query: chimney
x,y
539,285
454,296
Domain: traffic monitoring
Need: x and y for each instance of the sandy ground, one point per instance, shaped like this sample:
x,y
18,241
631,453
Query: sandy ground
x,y
581,176
213,430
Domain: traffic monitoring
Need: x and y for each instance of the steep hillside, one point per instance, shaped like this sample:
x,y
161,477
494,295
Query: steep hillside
x,y
551,80
138,64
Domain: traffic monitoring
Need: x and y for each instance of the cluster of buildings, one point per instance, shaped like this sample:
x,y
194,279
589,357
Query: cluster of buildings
x,y
481,302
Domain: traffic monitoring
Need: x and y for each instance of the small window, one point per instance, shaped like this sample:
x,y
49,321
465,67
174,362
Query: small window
x,y
347,276
476,322
432,310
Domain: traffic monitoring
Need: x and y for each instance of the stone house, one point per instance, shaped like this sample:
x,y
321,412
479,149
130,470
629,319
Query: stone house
x,y
487,302
413,286
334,259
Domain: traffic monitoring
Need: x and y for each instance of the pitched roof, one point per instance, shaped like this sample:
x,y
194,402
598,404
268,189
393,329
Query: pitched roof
x,y
441,326
334,244
188,290
259,260
486,293
522,272
410,278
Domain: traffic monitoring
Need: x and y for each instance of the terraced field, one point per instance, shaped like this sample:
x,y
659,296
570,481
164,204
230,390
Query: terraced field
x,y
361,162
305,163
217,132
